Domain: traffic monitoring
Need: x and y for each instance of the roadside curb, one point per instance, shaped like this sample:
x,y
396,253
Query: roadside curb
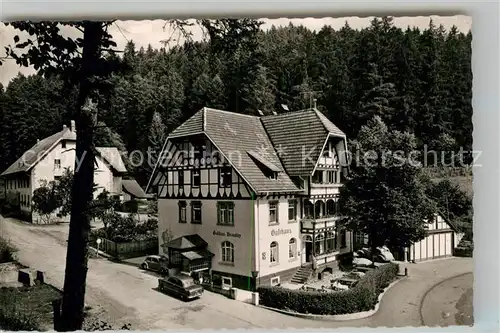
x,y
343,317
432,288
111,258
101,253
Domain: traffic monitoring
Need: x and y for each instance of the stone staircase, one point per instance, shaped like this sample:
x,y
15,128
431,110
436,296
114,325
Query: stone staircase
x,y
302,275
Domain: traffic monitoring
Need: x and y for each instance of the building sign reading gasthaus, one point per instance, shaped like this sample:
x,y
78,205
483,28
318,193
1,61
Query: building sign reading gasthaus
x,y
279,232
227,234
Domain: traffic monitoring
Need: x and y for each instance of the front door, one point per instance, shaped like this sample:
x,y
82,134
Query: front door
x,y
309,251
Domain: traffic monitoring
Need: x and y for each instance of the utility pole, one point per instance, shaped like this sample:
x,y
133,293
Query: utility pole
x,y
312,100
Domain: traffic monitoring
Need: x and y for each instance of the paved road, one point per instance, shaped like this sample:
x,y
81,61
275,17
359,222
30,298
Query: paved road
x,y
125,294
455,299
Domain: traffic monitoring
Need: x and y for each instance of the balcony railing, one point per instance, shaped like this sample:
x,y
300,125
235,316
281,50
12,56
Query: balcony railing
x,y
309,222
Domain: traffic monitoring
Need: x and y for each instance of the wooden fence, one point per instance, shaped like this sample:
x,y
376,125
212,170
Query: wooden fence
x,y
129,249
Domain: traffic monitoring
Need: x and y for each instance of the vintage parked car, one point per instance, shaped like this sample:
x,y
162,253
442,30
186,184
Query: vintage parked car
x,y
155,263
181,286
381,254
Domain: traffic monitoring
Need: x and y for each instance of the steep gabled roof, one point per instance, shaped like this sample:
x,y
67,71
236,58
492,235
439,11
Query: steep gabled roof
x,y
300,135
113,158
275,143
36,153
235,135
132,187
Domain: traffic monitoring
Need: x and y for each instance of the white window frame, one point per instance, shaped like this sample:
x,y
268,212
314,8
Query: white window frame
x,y
193,172
182,211
57,164
227,252
273,206
225,213
194,208
226,285
274,255
275,281
292,248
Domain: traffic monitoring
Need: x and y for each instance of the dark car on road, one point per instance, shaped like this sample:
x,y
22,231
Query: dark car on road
x,y
181,286
155,263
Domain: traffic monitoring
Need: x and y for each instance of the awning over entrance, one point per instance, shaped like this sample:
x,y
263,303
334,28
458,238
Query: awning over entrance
x,y
194,255
187,242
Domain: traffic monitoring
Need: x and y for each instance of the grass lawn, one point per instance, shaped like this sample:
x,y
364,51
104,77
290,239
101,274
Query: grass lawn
x,y
30,306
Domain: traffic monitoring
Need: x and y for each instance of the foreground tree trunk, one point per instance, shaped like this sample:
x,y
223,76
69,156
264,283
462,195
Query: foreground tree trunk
x,y
73,301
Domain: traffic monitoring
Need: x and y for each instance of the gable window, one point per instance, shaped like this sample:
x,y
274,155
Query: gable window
x,y
273,212
317,178
63,144
196,178
227,252
225,213
273,258
181,178
196,212
225,177
182,212
292,210
57,164
199,151
292,248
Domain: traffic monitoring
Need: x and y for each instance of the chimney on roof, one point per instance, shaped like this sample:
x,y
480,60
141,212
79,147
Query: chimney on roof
x,y
73,126
285,107
315,100
64,127
37,140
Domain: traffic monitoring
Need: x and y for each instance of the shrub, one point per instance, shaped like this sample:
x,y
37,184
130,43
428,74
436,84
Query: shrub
x,y
120,228
362,297
6,251
131,206
464,249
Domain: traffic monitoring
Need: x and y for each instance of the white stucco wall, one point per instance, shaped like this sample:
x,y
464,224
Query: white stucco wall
x,y
280,233
240,234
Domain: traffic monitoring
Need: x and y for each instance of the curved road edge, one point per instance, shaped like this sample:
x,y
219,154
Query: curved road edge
x,y
449,293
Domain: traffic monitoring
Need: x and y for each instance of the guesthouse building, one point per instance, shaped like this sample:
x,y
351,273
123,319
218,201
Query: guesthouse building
x,y
251,200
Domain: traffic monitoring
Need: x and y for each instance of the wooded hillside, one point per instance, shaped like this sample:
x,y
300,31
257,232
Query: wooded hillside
x,y
416,81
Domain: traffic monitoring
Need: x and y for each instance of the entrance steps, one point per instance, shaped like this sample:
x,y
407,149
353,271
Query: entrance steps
x,y
302,275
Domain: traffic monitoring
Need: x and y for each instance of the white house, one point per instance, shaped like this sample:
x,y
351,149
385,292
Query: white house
x,y
251,200
46,162
441,238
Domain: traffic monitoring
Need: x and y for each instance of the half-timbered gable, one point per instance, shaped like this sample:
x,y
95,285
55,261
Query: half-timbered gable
x,y
192,167
216,139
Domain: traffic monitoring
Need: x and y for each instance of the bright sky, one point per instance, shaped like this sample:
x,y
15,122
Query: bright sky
x,y
153,32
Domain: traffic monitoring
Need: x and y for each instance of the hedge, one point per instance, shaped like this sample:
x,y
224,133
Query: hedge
x,y
362,297
464,249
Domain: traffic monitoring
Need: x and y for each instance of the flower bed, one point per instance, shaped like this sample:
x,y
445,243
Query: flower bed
x,y
362,297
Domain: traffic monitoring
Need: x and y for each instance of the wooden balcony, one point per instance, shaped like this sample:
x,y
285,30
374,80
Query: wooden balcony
x,y
308,224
